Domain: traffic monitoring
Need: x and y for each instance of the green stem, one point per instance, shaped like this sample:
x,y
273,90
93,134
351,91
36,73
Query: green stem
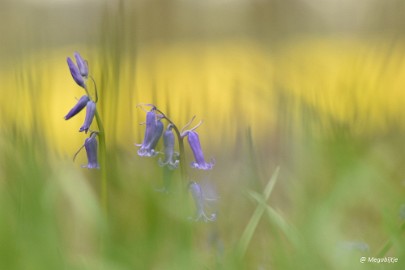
x,y
103,189
183,171
102,159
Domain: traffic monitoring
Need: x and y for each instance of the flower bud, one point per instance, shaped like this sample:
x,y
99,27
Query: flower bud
x,y
75,73
78,107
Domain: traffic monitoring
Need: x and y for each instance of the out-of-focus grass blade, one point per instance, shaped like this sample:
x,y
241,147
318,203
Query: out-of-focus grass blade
x,y
271,183
254,220
275,218
389,243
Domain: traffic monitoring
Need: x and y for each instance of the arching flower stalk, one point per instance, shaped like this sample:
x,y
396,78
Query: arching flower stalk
x,y
80,74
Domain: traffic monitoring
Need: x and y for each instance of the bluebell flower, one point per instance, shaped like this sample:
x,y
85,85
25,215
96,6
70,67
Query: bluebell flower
x,y
194,142
90,112
90,144
171,157
199,200
74,70
153,132
82,65
78,107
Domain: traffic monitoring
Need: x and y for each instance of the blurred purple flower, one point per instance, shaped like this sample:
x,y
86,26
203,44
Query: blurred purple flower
x,y
194,142
82,65
78,107
90,112
170,156
75,73
90,144
153,132
199,200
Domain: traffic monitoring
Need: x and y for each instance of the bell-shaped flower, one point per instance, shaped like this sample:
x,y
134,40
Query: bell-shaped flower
x,y
82,65
90,144
153,132
74,70
194,142
78,107
171,157
90,112
200,201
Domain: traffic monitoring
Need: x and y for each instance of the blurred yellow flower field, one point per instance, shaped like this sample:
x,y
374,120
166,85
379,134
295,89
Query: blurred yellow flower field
x,y
240,84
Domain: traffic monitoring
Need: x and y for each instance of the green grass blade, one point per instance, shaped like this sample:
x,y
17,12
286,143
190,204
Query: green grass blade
x,y
275,218
257,214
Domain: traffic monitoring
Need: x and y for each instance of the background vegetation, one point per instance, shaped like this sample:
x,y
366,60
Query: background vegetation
x,y
314,88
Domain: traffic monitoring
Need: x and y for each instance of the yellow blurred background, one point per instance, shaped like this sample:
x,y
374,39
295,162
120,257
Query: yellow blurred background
x,y
313,85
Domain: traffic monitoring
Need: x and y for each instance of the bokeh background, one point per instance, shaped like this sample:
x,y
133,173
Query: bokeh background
x,y
314,88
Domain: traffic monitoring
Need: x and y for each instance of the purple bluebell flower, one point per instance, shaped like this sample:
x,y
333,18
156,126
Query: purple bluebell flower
x,y
90,144
82,65
90,112
199,200
153,132
170,155
78,107
75,73
194,142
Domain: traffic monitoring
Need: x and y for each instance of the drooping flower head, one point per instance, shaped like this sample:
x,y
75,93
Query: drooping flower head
x,y
90,112
195,145
170,155
82,65
90,144
153,132
78,107
74,70
199,200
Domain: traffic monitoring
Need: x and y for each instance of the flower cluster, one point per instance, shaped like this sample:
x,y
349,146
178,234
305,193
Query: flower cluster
x,y
80,74
153,133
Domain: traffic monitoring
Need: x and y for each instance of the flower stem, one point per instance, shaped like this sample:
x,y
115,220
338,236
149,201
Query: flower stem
x,y
103,189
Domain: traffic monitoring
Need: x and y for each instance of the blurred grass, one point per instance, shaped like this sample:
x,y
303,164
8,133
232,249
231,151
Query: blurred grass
x,y
327,110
